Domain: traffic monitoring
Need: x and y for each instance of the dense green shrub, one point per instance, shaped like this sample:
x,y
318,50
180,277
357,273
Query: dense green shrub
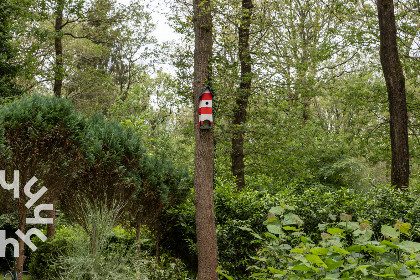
x,y
314,203
380,205
289,254
43,263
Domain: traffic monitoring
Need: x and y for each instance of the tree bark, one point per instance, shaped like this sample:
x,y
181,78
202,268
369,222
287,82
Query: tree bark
x,y
22,213
51,214
138,237
204,148
240,111
58,45
395,83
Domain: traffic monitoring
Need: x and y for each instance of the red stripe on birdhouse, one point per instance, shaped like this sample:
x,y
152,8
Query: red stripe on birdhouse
x,y
205,110
206,96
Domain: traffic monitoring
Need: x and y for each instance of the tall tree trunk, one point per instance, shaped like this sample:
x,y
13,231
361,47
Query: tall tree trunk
x,y
51,214
138,237
204,148
22,213
395,83
240,111
58,70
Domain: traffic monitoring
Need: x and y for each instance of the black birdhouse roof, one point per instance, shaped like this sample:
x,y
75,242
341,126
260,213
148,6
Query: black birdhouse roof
x,y
206,88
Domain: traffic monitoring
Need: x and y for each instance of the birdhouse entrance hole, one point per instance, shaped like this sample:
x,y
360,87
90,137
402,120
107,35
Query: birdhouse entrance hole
x,y
206,124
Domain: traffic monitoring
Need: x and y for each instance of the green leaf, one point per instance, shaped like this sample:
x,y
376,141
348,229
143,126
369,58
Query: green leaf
x,y
316,260
363,269
385,275
341,251
405,228
335,231
389,231
274,228
275,270
415,270
366,235
410,246
305,239
284,247
298,250
292,219
278,210
290,228
301,267
349,225
376,249
288,207
411,263
219,270
354,248
258,274
390,244
332,276
332,264
245,228
319,251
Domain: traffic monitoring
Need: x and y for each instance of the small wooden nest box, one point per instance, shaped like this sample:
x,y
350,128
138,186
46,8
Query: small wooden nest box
x,y
205,112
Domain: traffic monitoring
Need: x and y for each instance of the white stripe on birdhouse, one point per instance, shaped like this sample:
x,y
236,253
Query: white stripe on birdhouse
x,y
206,117
206,103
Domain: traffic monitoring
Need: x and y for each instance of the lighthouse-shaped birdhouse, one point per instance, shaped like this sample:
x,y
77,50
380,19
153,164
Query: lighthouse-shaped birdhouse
x,y
205,112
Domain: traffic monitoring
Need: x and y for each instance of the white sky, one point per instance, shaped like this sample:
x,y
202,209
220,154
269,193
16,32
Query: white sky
x,y
163,31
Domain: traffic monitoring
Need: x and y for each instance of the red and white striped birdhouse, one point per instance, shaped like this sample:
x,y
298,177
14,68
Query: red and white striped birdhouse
x,y
205,112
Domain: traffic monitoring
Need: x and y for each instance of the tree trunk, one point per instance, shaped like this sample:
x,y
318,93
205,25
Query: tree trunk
x,y
58,70
204,148
157,248
51,214
138,237
240,111
395,83
22,212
